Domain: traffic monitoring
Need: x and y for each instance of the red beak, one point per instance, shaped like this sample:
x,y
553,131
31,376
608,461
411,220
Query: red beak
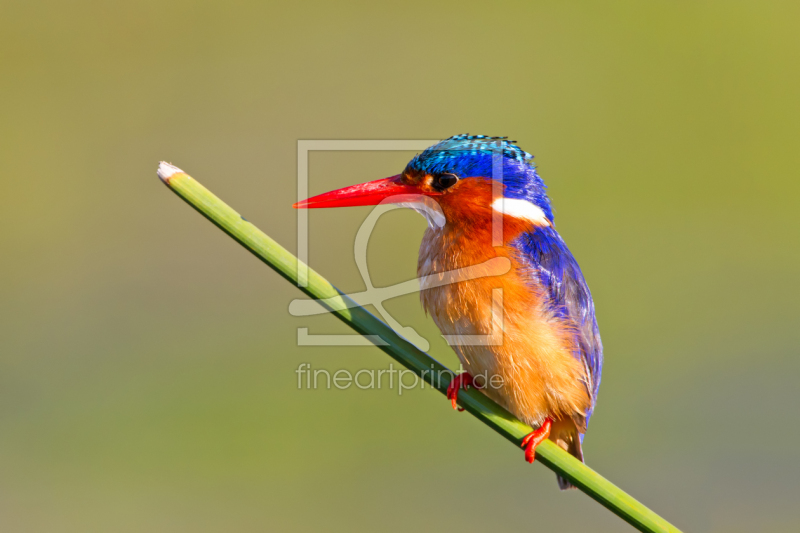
x,y
370,193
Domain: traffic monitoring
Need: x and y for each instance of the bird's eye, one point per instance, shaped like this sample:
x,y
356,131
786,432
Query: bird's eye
x,y
444,181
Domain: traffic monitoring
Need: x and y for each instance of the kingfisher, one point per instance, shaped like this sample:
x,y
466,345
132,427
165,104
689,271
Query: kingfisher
x,y
546,367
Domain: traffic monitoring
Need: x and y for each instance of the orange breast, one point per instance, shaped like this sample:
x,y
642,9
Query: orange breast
x,y
527,361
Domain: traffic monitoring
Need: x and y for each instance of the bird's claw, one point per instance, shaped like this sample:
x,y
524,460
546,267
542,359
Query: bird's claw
x,y
461,381
534,438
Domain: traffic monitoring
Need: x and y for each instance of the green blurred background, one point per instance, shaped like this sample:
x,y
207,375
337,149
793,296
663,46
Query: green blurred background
x,y
147,371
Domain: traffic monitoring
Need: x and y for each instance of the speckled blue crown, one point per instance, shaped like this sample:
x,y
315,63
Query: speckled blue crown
x,y
470,156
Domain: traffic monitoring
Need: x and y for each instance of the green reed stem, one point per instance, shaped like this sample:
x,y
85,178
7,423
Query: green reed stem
x,y
358,318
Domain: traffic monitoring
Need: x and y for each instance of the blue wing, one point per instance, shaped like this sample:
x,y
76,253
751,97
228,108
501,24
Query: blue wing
x,y
548,256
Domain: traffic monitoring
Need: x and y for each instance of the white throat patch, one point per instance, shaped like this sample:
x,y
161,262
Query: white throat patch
x,y
425,206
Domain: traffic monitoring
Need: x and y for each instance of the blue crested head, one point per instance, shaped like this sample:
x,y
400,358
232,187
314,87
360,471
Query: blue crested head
x,y
471,156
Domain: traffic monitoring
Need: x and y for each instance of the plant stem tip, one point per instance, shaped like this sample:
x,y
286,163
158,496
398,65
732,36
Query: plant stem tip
x,y
166,171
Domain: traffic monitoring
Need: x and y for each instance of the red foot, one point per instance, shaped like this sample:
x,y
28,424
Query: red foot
x,y
534,438
461,381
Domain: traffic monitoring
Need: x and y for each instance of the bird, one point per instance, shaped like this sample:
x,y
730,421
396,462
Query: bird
x,y
548,362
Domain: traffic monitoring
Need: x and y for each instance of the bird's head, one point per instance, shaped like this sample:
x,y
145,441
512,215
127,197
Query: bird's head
x,y
467,176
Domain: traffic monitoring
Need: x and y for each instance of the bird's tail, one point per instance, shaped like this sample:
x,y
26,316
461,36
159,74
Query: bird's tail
x,y
566,435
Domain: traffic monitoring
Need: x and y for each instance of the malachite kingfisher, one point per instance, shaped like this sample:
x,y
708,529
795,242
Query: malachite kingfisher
x,y
550,356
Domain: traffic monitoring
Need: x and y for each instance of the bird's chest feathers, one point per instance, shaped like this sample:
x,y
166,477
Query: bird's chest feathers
x,y
460,307
524,343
